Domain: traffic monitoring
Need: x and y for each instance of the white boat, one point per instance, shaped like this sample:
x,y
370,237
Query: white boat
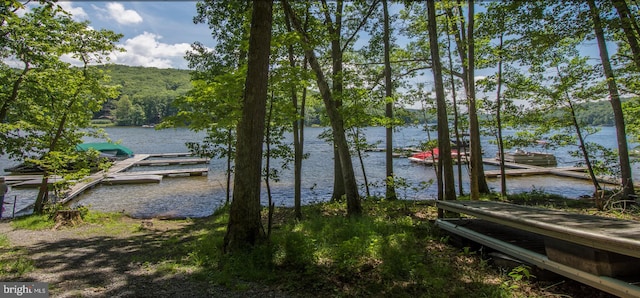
x,y
529,158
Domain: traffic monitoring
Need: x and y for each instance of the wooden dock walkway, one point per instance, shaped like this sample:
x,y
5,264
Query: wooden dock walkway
x,y
518,169
116,174
169,172
598,251
167,161
535,171
94,179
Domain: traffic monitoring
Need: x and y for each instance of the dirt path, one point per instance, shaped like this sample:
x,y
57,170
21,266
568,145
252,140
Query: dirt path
x,y
89,261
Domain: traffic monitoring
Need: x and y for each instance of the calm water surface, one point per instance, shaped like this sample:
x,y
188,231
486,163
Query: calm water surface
x,y
201,196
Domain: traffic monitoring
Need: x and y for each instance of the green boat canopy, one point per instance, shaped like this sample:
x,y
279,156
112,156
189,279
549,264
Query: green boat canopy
x,y
107,148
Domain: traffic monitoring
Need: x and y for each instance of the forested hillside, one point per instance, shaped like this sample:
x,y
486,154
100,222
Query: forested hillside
x,y
598,113
146,94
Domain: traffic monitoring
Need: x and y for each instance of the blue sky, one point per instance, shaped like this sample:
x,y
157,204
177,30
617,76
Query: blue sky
x,y
156,33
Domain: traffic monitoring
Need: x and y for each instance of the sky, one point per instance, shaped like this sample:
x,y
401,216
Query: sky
x,y
156,33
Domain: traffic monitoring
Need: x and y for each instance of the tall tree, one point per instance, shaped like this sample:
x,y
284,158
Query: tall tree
x,y
331,97
465,44
445,164
614,98
245,227
298,122
218,79
478,181
630,28
388,92
48,104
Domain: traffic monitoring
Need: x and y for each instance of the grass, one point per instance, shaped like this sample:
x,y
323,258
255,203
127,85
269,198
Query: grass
x,y
14,262
393,250
33,222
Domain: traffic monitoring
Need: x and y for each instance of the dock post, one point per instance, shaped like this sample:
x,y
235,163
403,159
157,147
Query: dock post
x,y
13,214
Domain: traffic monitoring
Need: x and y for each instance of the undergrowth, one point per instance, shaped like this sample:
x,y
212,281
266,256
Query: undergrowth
x,y
392,250
46,220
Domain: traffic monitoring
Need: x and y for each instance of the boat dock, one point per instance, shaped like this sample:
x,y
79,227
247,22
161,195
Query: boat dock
x,y
167,162
96,178
519,169
601,252
117,173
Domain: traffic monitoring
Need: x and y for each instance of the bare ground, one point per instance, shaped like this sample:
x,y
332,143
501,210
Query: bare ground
x,y
86,261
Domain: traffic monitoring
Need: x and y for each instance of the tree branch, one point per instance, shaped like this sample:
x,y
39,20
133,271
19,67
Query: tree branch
x,y
362,22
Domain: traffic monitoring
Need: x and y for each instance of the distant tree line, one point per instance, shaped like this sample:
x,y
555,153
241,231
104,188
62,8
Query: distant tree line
x,y
147,96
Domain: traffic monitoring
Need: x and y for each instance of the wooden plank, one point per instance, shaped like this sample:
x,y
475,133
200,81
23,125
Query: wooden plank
x,y
179,154
170,172
615,235
568,171
34,183
132,179
182,161
92,180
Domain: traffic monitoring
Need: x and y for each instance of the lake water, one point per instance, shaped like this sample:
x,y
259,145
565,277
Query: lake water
x,y
201,196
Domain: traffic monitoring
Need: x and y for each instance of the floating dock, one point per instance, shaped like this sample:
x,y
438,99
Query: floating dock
x,y
117,174
518,169
96,178
132,179
169,172
168,162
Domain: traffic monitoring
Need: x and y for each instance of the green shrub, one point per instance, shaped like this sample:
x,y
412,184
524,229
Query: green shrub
x,y
297,250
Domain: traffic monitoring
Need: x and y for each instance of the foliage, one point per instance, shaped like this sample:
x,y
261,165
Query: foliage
x,y
390,251
46,106
146,94
517,274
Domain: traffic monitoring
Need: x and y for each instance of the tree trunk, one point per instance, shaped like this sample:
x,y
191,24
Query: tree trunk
x,y
4,109
456,120
298,130
267,164
478,181
245,228
623,150
444,145
300,152
503,177
339,185
43,194
388,92
229,169
630,28
338,180
356,140
583,147
337,124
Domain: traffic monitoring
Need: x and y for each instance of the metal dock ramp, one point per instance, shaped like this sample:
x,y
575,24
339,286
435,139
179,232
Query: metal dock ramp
x,y
601,252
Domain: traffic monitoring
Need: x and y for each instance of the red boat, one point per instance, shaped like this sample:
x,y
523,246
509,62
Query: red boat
x,y
431,156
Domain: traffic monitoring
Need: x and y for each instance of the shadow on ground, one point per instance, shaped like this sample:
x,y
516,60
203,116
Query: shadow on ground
x,y
137,264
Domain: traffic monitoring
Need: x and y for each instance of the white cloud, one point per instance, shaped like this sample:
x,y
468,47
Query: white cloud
x,y
117,12
78,13
146,50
